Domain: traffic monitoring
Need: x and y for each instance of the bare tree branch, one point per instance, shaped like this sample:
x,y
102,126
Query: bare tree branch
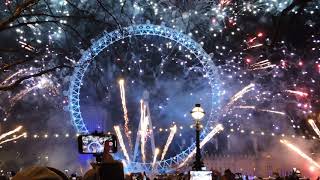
x,y
110,14
18,62
19,81
89,17
10,49
16,14
28,23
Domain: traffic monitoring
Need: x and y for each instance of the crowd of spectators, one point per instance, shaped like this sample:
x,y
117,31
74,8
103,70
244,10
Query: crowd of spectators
x,y
110,169
114,171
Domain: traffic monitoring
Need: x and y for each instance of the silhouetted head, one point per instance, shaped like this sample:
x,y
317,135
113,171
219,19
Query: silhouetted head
x,y
40,173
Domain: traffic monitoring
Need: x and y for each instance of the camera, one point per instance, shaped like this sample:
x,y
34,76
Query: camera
x,y
94,143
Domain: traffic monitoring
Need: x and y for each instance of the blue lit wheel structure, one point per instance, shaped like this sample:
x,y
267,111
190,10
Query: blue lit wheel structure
x,y
108,38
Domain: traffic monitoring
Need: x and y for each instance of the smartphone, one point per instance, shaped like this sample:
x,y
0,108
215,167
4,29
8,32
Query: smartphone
x,y
200,175
136,176
94,143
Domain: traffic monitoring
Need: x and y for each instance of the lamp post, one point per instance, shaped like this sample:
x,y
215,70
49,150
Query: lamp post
x,y
197,114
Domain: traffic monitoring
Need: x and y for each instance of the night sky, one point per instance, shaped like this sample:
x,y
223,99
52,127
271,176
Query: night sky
x,y
265,55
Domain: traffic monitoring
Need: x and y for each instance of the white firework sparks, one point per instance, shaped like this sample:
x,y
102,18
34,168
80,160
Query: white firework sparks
x,y
122,145
155,155
173,131
125,111
299,152
213,132
239,95
314,126
14,138
2,136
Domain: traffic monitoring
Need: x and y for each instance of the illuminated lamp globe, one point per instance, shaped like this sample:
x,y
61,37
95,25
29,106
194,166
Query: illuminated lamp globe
x,y
197,112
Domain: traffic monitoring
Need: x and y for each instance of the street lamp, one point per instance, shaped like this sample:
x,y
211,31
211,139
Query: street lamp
x,y
197,114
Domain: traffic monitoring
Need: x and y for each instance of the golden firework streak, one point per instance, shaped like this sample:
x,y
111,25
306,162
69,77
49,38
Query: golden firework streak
x,y
14,138
238,95
299,152
10,132
170,138
156,153
212,133
122,145
314,126
125,111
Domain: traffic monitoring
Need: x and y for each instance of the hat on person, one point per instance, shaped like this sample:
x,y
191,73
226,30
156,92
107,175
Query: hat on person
x,y
37,173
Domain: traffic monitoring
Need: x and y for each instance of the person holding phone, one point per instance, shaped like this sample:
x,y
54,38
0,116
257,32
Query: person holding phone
x,y
107,169
94,143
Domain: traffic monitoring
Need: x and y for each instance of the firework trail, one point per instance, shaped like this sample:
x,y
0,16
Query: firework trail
x,y
239,95
223,3
27,46
252,39
265,64
170,138
41,84
262,110
124,163
143,129
12,76
299,93
10,132
125,111
254,46
314,126
122,145
81,170
20,95
213,132
245,107
156,153
299,152
272,111
14,138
